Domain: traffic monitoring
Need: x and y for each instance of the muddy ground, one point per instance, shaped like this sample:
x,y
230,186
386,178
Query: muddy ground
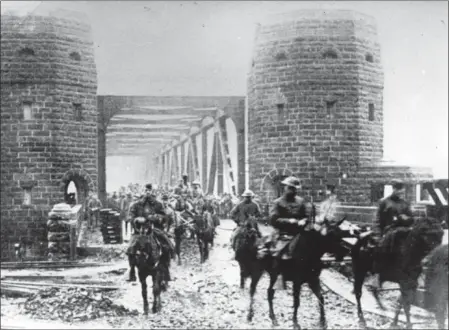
x,y
200,296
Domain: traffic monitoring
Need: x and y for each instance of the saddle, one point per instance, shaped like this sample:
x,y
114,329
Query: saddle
x,y
277,246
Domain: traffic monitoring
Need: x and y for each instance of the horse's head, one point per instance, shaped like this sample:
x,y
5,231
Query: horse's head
x,y
250,226
142,250
427,234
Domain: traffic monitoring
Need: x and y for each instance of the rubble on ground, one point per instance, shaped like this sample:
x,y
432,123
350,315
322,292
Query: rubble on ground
x,y
73,304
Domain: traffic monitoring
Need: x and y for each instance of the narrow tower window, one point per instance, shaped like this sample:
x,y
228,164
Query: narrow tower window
x,y
330,53
27,196
371,112
369,58
75,56
281,114
27,110
281,56
330,108
26,52
78,111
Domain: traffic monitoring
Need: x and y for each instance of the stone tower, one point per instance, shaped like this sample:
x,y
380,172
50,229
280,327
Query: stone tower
x,y
315,98
48,118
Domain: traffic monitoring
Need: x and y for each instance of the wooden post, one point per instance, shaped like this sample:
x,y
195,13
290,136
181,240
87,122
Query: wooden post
x,y
73,241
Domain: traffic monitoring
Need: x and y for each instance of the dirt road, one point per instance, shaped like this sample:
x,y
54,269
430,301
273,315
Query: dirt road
x,y
208,296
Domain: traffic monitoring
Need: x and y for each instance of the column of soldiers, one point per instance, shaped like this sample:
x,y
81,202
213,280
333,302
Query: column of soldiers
x,y
291,213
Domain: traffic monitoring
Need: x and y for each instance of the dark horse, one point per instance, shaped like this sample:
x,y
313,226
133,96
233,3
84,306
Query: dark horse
x,y
180,228
204,230
150,260
182,222
246,246
304,267
436,286
403,266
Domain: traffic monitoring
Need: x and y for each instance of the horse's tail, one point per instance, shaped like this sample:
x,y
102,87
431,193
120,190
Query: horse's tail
x,y
436,278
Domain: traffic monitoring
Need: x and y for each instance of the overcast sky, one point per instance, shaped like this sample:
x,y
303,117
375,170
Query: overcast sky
x,y
204,48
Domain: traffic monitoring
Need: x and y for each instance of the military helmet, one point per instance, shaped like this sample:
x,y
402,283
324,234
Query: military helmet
x,y
397,184
292,181
248,193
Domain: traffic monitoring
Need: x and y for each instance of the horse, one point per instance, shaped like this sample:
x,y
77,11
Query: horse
x,y
403,267
436,287
304,267
148,258
246,245
205,232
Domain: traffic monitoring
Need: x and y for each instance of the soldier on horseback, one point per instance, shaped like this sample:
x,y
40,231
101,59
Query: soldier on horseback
x,y
394,214
169,213
197,192
242,211
289,214
328,208
147,212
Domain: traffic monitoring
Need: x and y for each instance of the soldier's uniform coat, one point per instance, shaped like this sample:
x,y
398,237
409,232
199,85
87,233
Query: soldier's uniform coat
x,y
281,212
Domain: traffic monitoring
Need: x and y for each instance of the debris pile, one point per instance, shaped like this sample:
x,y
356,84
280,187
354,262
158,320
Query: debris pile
x,y
73,304
59,227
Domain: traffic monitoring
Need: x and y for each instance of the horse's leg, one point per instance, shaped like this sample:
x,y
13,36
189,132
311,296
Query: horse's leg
x,y
178,246
206,251
394,324
296,303
408,296
274,273
143,284
201,247
315,286
359,279
375,292
157,279
242,274
132,268
256,274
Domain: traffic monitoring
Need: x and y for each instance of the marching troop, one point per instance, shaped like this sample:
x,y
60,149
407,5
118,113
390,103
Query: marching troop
x,y
290,215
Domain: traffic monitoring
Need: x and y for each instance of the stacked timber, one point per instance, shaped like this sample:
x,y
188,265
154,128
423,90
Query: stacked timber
x,y
59,231
111,226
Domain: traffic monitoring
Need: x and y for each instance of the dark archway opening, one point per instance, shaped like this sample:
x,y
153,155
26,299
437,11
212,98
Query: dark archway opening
x,y
277,187
76,190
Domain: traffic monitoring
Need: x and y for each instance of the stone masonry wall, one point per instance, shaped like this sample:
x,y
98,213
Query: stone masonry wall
x,y
315,101
47,62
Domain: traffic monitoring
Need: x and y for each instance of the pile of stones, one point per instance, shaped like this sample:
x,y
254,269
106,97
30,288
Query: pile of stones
x,y
59,227
73,304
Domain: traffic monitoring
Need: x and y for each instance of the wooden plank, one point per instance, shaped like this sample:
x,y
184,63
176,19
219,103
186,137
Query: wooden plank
x,y
32,285
16,292
24,265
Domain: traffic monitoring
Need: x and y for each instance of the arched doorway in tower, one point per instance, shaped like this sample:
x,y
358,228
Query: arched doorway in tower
x,y
71,195
76,187
271,187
